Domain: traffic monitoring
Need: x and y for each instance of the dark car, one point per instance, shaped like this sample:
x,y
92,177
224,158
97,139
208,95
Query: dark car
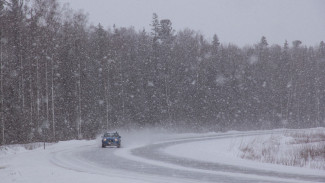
x,y
111,139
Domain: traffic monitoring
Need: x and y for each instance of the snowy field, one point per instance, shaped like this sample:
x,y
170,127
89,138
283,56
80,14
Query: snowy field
x,y
278,152
302,148
152,156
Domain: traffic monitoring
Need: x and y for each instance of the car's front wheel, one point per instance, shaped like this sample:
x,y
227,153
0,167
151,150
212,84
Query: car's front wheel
x,y
103,145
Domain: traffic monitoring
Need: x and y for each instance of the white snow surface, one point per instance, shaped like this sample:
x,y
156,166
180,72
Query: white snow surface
x,y
61,162
227,151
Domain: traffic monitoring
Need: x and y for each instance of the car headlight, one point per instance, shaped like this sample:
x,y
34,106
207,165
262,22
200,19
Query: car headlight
x,y
116,140
104,139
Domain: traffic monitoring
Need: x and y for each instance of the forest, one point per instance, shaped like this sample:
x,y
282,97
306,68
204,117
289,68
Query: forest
x,y
61,78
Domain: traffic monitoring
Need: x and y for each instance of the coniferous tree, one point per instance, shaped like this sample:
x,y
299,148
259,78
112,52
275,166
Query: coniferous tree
x,y
61,79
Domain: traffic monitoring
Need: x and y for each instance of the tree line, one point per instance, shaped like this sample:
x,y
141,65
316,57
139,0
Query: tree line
x,y
63,79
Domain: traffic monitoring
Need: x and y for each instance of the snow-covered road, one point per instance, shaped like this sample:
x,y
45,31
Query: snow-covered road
x,y
145,157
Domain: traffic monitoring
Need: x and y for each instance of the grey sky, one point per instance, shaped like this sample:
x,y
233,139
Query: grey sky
x,y
234,21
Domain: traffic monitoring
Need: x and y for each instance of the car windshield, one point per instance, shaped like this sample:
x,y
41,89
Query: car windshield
x,y
110,135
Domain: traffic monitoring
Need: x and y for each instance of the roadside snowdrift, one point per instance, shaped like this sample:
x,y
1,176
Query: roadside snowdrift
x,y
301,148
294,151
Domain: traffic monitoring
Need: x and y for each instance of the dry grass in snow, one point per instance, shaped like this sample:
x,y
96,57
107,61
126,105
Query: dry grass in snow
x,y
304,148
16,148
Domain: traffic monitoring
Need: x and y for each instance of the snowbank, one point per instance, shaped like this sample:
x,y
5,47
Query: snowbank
x,y
301,148
240,151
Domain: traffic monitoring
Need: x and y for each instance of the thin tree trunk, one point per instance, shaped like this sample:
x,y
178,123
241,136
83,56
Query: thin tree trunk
x,y
46,90
22,96
290,92
31,93
37,95
317,95
107,106
288,103
107,97
79,101
1,89
52,94
122,93
167,99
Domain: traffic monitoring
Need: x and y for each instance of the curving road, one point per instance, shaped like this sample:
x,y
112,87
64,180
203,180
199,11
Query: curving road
x,y
148,163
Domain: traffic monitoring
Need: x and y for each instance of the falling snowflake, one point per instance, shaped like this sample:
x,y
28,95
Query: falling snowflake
x,y
221,80
253,59
150,83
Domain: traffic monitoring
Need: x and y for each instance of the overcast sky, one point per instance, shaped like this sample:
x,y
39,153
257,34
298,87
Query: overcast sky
x,y
234,21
